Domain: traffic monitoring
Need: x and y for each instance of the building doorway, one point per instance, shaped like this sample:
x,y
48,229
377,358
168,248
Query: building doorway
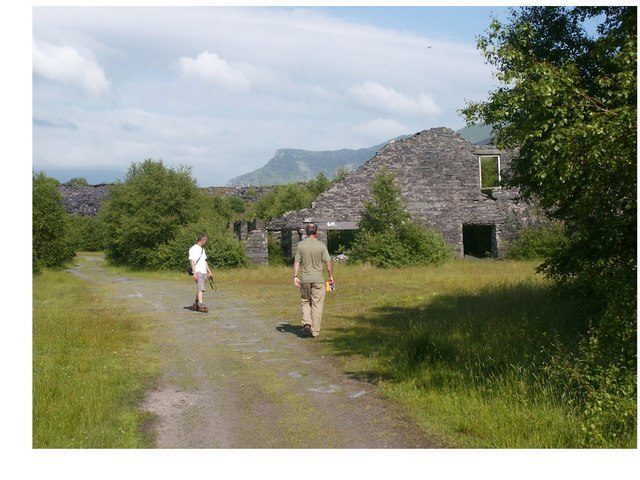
x,y
340,241
479,241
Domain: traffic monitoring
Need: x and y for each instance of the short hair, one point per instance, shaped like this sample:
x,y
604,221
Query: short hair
x,y
201,236
311,229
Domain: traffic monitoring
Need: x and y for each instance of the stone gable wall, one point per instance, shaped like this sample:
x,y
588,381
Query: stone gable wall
x,y
438,174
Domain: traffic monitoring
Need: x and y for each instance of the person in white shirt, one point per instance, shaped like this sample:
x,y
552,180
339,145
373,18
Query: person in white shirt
x,y
200,268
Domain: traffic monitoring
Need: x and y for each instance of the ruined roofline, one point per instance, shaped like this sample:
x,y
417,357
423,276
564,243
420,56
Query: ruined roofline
x,y
297,219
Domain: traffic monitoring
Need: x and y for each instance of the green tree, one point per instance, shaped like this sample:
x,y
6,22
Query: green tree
x,y
388,237
86,233
78,182
147,210
51,246
567,104
340,175
388,209
318,185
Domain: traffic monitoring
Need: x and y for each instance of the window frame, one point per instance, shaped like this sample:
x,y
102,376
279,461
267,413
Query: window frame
x,y
499,186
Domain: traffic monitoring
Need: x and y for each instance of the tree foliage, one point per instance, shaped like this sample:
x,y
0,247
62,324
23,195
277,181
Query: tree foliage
x,y
567,104
155,214
388,237
285,198
86,234
51,246
78,182
147,209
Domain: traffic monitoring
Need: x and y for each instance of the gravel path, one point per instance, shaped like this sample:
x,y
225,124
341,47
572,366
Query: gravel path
x,y
233,379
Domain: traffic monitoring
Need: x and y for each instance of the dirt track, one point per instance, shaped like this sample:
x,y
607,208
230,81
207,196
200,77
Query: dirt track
x,y
233,379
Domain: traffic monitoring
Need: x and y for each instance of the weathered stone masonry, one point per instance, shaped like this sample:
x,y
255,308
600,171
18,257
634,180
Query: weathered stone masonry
x,y
439,177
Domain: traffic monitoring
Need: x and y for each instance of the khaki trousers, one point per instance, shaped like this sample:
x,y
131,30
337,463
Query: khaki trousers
x,y
312,301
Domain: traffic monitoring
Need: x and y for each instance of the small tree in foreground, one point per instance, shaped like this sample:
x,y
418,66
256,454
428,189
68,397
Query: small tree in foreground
x,y
388,238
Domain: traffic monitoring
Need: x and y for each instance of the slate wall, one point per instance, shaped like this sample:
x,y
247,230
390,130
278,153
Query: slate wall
x,y
439,177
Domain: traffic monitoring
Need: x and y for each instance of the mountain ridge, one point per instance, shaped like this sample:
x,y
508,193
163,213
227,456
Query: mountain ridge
x,y
290,165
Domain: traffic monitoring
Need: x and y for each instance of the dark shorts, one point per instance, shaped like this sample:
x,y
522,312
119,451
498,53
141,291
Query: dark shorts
x,y
202,278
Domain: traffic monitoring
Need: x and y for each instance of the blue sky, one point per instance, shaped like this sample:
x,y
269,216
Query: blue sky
x,y
221,89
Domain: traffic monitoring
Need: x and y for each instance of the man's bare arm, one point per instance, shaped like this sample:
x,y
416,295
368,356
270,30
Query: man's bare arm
x,y
296,280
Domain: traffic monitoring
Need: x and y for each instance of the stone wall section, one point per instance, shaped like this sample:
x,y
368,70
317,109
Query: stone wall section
x,y
439,176
257,247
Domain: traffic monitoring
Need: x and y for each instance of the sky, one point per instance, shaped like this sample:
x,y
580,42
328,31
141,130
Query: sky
x,y
220,89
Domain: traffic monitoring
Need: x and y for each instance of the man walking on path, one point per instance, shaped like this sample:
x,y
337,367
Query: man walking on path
x,y
311,254
200,269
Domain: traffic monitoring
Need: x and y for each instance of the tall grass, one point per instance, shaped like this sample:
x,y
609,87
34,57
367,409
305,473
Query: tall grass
x,y
92,363
463,348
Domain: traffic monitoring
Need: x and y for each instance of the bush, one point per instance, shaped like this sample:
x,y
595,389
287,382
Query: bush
x,y
147,210
425,246
276,256
78,182
51,246
223,249
387,238
381,249
86,233
536,243
411,244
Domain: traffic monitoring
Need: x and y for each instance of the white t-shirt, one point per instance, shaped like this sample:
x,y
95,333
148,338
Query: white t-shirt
x,y
194,254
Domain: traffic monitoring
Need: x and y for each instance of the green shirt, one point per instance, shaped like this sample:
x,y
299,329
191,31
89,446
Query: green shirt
x,y
312,255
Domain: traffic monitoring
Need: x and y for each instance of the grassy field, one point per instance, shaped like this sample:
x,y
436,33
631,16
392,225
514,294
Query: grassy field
x,y
91,365
460,347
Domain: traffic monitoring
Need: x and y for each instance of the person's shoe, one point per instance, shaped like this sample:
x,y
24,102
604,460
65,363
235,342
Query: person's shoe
x,y
202,308
194,307
306,329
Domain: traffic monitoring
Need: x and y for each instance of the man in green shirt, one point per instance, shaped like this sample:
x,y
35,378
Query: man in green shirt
x,y
311,254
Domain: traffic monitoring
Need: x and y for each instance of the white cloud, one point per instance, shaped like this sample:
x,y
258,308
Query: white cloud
x,y
300,78
67,65
373,94
211,68
381,129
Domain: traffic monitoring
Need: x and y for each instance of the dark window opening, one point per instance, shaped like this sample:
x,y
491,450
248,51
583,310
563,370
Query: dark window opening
x,y
479,240
340,241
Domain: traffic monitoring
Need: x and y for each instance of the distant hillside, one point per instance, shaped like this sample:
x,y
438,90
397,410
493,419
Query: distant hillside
x,y
293,165
479,135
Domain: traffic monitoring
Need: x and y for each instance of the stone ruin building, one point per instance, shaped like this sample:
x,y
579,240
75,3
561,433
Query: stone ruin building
x,y
440,177
439,174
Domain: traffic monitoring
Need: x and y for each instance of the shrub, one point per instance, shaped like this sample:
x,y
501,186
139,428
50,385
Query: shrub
x,y
78,182
534,243
388,238
51,246
147,210
381,249
276,256
86,233
223,249
425,246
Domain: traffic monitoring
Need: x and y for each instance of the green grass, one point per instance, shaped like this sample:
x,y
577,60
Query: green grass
x,y
92,363
461,347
